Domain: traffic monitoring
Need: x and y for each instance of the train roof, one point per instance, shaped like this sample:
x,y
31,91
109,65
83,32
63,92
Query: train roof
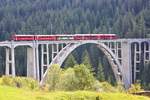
x,y
23,35
95,34
63,34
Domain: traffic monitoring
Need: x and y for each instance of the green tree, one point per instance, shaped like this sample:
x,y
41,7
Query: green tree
x,y
84,76
53,77
86,60
145,80
100,73
108,72
68,80
70,61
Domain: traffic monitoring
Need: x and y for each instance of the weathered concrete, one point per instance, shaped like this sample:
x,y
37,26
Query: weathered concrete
x,y
31,68
126,62
10,62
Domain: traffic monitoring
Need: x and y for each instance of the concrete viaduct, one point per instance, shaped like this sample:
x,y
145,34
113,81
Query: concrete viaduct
x,y
124,55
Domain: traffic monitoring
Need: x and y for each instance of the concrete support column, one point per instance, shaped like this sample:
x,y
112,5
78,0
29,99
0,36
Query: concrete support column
x,y
146,53
13,62
119,52
42,60
47,54
10,62
52,46
37,62
149,50
134,67
45,61
126,63
7,62
34,63
55,50
31,65
137,60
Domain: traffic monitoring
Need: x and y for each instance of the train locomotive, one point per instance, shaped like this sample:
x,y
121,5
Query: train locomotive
x,y
59,37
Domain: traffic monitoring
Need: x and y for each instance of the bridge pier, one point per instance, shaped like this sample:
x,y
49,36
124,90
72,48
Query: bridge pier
x,y
31,65
126,63
37,62
10,62
45,60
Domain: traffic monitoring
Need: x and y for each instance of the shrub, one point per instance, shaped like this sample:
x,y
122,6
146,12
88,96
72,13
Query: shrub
x,y
53,77
77,78
97,86
106,87
7,80
68,80
135,88
19,82
84,76
120,87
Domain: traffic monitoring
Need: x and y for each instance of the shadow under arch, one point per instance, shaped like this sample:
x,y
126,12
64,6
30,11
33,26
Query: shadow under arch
x,y
63,54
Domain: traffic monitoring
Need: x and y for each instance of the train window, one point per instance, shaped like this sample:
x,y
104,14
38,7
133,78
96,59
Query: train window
x,y
65,38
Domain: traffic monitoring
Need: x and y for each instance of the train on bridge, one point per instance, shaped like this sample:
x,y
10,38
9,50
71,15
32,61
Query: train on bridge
x,y
59,37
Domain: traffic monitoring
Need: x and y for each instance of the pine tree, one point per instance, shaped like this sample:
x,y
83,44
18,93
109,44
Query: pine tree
x,y
86,60
139,29
145,80
100,72
70,61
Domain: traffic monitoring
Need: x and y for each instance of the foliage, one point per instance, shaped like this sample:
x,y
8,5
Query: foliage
x,y
69,16
77,78
135,88
145,80
68,80
100,73
70,61
86,60
106,87
11,93
84,76
19,82
53,76
108,72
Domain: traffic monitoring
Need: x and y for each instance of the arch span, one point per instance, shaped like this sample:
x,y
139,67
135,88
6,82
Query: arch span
x,y
63,54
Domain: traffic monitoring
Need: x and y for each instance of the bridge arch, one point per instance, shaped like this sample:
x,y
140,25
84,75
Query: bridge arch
x,y
63,54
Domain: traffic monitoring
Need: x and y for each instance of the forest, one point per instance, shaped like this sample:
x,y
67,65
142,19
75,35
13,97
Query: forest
x,y
126,18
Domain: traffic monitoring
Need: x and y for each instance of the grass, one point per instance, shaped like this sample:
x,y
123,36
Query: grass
x,y
11,93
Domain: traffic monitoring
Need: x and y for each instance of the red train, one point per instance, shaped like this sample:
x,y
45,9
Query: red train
x,y
59,37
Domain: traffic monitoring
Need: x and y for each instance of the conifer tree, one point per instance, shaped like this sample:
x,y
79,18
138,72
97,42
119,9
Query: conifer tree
x,y
86,60
70,61
100,72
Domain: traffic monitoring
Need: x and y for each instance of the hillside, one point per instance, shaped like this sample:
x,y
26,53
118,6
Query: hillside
x,y
127,18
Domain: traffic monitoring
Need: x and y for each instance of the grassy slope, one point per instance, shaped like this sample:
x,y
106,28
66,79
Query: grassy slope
x,y
9,93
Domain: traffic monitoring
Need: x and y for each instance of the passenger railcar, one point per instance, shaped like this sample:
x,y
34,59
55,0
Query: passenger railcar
x,y
64,37
45,37
23,37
